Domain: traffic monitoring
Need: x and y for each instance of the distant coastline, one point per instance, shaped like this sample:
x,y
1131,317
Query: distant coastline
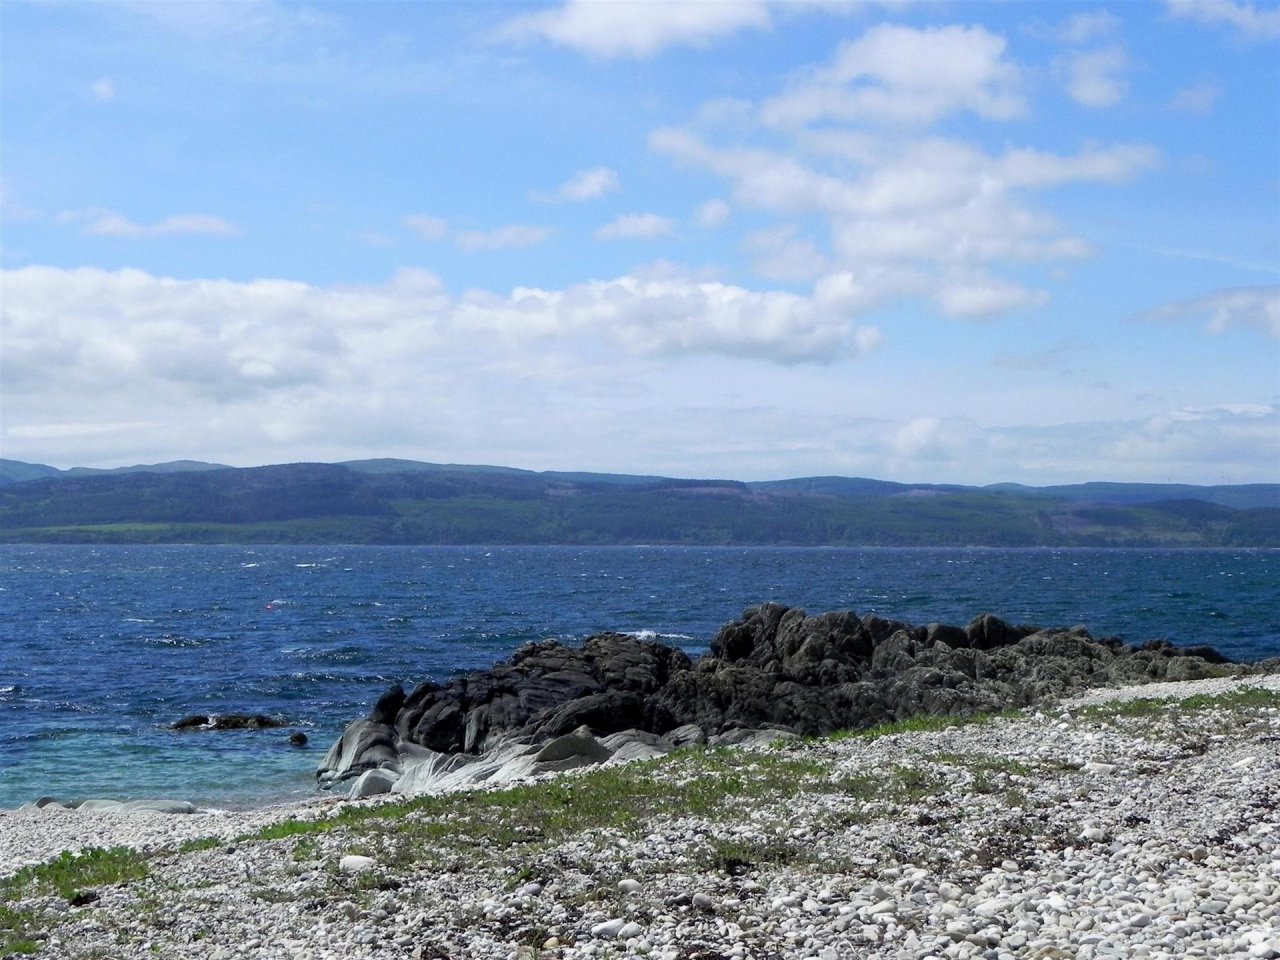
x,y
407,502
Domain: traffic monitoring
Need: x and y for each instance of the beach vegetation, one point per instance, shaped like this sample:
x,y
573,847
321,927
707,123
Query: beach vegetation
x,y
923,723
1246,698
71,876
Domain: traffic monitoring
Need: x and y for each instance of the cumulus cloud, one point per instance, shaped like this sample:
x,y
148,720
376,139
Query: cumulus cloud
x,y
1222,310
1252,21
427,227
588,185
907,212
513,237
939,208
612,30
100,222
1095,78
903,75
637,226
103,90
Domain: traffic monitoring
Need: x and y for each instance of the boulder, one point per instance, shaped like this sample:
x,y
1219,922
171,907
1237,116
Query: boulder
x,y
364,745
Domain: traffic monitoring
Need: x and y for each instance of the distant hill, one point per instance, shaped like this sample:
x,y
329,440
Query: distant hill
x,y
401,501
15,471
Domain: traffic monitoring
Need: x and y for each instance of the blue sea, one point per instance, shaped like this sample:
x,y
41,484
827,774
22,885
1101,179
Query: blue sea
x,y
102,648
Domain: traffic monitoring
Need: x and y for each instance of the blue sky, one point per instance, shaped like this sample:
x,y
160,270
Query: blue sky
x,y
964,242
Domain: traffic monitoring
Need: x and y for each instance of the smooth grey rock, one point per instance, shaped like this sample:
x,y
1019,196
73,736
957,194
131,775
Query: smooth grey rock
x,y
157,806
371,783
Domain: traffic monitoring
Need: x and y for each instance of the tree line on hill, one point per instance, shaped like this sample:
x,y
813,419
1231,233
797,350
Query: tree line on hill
x,y
401,502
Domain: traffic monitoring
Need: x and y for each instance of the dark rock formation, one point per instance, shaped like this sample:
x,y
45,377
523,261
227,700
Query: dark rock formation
x,y
227,721
775,668
545,690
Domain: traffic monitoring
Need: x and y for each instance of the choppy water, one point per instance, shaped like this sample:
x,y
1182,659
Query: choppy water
x,y
101,648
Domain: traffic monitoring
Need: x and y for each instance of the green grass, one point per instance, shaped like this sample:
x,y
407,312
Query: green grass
x,y
922,724
69,876
1242,698
694,783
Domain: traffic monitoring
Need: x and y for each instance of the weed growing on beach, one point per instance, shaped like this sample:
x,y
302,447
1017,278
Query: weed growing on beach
x,y
198,844
735,857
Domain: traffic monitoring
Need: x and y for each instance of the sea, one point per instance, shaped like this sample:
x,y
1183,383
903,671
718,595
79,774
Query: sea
x,y
103,648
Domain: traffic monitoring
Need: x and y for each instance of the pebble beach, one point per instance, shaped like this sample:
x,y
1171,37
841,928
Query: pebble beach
x,y
1113,825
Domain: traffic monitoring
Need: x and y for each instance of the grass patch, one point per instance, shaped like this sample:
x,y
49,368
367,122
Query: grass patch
x,y
922,723
696,782
1242,698
70,876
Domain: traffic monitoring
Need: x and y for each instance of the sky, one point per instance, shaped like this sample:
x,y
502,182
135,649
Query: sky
x,y
919,241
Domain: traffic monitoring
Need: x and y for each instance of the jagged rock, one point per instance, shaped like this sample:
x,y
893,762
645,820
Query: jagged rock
x,y
774,671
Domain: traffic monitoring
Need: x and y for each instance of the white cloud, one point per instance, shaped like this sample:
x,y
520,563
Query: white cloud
x,y
935,439
779,253
902,75
1197,98
513,237
610,29
99,222
588,185
713,213
637,226
979,297
103,90
427,227
1222,310
1084,27
1095,78
1255,22
934,208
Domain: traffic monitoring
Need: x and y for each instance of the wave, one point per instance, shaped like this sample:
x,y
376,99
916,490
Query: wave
x,y
655,635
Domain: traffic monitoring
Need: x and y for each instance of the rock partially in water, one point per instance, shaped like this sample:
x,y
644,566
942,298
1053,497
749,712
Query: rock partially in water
x,y
228,721
774,672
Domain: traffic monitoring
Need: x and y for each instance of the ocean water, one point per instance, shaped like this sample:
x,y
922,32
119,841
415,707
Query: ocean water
x,y
102,648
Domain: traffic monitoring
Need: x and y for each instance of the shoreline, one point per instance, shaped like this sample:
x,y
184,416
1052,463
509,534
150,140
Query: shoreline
x,y
1101,823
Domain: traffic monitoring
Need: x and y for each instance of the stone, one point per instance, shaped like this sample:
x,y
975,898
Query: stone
x,y
608,929
371,783
355,863
630,886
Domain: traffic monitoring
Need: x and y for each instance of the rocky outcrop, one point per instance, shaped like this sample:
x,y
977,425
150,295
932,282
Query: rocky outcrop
x,y
775,671
227,721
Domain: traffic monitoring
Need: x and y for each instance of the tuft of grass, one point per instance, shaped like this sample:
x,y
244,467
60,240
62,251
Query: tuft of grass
x,y
198,844
735,857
